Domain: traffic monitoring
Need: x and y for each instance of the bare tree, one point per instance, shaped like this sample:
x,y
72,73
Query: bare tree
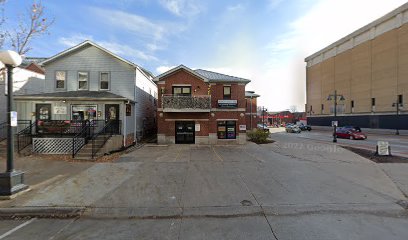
x,y
36,25
293,109
2,31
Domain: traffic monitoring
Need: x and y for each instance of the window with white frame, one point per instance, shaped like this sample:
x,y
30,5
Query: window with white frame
x,y
83,78
104,79
60,78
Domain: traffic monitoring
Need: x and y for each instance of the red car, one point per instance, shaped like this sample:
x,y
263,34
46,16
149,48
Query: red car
x,y
350,134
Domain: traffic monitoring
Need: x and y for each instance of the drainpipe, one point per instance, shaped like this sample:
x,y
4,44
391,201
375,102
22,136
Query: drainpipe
x,y
134,110
124,124
250,115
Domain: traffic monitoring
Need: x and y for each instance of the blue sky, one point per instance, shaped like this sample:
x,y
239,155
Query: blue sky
x,y
263,40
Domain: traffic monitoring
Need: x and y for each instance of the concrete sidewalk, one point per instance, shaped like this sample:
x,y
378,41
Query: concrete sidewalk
x,y
292,189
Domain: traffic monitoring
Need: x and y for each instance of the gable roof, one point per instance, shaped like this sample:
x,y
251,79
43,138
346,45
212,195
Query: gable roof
x,y
173,70
206,76
85,43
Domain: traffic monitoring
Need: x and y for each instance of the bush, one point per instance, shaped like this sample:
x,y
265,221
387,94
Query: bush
x,y
258,136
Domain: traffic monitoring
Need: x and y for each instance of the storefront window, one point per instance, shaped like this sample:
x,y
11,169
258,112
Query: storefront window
x,y
83,112
226,129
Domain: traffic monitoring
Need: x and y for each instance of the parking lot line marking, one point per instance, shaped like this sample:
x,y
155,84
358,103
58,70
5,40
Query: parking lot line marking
x,y
216,154
17,228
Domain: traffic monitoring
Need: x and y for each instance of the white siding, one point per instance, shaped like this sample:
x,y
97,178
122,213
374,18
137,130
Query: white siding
x,y
94,61
24,82
146,97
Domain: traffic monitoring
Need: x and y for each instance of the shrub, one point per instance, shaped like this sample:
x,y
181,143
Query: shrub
x,y
258,136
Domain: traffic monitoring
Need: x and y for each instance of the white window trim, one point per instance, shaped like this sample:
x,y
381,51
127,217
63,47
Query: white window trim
x,y
109,81
87,80
65,81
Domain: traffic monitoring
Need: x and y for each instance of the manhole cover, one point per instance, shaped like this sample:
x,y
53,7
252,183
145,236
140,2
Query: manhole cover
x,y
246,203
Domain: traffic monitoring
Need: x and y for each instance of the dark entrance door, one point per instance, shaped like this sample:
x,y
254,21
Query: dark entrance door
x,y
43,112
112,115
185,132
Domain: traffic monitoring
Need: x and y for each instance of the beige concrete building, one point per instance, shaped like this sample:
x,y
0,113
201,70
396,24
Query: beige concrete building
x,y
369,68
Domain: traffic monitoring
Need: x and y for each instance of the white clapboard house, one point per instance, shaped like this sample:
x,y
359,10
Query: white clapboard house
x,y
94,102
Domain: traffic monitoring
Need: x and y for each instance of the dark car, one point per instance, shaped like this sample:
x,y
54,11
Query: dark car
x,y
350,134
305,127
352,128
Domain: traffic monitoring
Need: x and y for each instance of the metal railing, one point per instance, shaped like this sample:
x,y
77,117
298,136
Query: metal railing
x,y
24,137
91,130
77,140
180,102
22,124
101,137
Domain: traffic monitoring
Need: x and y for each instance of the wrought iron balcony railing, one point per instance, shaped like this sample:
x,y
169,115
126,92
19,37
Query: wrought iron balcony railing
x,y
180,103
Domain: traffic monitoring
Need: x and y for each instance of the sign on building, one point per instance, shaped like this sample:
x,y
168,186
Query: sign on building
x,y
335,123
197,127
242,127
227,103
60,110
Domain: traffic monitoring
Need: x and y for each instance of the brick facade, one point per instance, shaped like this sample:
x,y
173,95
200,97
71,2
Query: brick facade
x,y
206,121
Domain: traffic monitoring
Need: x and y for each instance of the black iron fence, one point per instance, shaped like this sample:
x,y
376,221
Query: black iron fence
x,y
102,136
24,137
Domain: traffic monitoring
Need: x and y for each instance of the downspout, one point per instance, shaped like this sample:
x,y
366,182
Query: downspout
x,y
134,111
250,115
124,124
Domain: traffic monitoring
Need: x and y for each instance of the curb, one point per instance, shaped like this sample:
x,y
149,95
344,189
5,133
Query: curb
x,y
41,212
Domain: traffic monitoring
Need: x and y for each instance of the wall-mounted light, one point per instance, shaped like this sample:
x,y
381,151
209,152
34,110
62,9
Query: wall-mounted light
x,y
212,114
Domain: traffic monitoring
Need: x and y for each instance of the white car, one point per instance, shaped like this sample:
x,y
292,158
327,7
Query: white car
x,y
293,129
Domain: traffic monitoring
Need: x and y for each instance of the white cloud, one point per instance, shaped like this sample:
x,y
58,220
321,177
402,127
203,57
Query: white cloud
x,y
138,25
236,7
163,69
326,22
117,48
74,39
182,8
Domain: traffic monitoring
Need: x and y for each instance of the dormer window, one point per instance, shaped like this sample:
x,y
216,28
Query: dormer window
x,y
83,80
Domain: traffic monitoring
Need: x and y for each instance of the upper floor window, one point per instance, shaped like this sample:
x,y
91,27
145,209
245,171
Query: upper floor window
x,y
227,92
182,90
104,79
83,78
60,78
400,99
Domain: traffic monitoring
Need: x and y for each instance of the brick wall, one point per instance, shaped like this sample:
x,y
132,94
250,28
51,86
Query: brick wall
x,y
207,121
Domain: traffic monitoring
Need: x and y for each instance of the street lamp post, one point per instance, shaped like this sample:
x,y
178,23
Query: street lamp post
x,y
334,97
11,181
397,105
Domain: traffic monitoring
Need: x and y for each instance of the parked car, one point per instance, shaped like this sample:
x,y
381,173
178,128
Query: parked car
x,y
350,134
291,128
352,128
263,127
305,127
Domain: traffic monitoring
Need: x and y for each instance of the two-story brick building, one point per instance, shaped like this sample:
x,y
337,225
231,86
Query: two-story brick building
x,y
252,114
202,107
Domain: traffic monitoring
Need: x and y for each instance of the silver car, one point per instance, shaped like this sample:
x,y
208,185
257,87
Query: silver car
x,y
293,129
